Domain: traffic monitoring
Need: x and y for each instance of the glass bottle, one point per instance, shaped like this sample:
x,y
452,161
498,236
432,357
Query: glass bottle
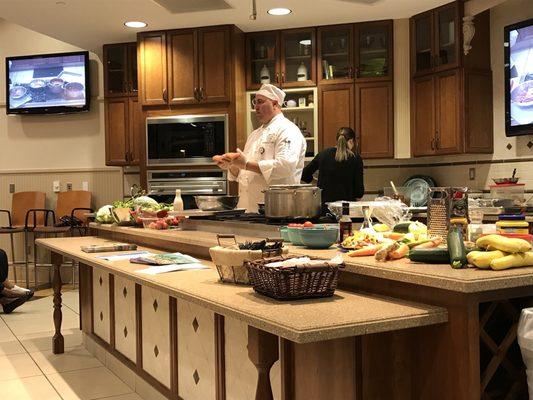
x,y
178,201
345,223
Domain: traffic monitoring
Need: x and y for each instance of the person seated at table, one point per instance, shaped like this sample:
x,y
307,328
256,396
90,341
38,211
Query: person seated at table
x,y
11,295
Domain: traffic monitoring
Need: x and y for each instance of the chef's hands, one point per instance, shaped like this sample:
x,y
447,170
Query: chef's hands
x,y
240,160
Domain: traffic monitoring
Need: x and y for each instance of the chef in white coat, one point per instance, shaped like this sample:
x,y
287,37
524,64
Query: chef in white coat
x,y
273,155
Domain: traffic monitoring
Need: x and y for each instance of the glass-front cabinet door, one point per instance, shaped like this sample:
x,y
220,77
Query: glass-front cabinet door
x,y
335,54
423,42
132,61
447,35
298,67
115,80
373,50
262,53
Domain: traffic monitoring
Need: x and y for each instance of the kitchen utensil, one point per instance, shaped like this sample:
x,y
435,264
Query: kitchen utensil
x,y
320,236
418,186
293,201
394,188
294,235
216,203
438,203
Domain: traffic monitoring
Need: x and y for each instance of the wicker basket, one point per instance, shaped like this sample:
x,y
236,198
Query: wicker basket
x,y
230,260
289,283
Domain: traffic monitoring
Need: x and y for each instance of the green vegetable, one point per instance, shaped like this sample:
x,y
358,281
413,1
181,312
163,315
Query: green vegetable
x,y
456,247
146,202
402,227
430,256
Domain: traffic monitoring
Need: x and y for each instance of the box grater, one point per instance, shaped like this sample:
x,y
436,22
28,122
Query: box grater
x,y
438,209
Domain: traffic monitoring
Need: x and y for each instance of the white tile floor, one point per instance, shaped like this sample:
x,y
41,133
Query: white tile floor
x,y
29,370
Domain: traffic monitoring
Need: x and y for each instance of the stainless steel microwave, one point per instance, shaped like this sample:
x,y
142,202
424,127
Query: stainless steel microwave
x,y
186,139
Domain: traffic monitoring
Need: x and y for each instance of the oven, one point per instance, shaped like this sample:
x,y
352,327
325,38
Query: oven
x,y
162,184
185,139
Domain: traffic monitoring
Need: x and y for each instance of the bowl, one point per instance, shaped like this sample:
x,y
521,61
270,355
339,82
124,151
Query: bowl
x,y
522,95
503,181
294,236
74,90
319,237
216,203
55,85
284,233
17,92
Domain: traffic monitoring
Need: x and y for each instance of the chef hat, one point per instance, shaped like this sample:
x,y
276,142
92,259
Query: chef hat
x,y
272,92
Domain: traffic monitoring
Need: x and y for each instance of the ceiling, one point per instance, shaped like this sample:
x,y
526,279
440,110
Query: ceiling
x,y
89,24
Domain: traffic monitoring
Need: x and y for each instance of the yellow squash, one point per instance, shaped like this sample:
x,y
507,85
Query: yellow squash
x,y
482,259
513,260
503,243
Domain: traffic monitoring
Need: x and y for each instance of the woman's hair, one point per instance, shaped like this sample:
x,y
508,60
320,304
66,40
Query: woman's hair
x,y
343,152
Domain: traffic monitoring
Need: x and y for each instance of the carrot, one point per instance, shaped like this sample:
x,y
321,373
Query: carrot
x,y
428,245
399,252
394,235
365,251
217,159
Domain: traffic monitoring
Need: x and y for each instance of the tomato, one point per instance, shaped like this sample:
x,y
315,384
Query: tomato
x,y
164,225
152,225
308,224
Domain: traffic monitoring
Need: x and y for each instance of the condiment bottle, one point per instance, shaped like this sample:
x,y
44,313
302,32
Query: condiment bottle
x,y
178,201
345,223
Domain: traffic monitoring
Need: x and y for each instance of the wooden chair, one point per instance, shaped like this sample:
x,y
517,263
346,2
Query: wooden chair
x,y
21,203
74,203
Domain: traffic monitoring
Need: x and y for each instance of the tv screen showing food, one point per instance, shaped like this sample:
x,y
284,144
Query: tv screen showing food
x,y
518,44
48,83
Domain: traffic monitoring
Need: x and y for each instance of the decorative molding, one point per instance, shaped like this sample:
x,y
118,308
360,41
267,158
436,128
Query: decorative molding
x,y
58,170
469,31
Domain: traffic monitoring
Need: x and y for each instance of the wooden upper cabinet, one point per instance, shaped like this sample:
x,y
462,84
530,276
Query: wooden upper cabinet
x,y
153,82
298,61
373,51
135,131
186,66
120,69
214,65
262,59
284,58
423,116
335,61
374,119
436,38
336,111
182,60
448,137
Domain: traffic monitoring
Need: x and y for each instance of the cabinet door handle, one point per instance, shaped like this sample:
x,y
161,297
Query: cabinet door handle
x,y
283,77
432,143
277,77
202,93
196,94
126,156
357,72
350,72
165,94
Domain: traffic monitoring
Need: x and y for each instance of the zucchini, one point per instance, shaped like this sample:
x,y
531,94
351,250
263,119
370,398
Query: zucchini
x,y
430,256
456,247
402,227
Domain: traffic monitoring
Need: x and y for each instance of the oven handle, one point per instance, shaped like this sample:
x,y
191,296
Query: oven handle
x,y
189,191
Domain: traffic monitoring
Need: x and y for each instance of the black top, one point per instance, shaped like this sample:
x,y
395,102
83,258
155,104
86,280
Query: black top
x,y
338,180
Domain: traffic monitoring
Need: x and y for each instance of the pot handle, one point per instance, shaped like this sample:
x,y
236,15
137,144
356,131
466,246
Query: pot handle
x,y
275,240
225,236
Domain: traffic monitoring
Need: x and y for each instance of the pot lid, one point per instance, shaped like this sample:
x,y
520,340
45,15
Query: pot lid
x,y
292,186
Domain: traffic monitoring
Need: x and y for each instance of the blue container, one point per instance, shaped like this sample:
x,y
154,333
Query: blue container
x,y
319,237
294,235
284,233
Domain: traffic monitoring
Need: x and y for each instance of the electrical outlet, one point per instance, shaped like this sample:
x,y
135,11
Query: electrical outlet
x,y
472,173
11,188
85,185
69,185
56,186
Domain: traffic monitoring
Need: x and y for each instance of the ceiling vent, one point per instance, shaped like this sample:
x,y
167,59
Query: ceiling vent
x,y
186,6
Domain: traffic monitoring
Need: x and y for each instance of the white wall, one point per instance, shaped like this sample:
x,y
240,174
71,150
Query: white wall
x,y
75,141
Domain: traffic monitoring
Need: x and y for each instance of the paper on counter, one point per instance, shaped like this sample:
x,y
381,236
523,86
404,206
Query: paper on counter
x,y
294,262
127,256
160,269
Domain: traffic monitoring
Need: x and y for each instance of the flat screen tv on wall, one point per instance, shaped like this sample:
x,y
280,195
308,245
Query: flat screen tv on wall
x,y
518,48
48,83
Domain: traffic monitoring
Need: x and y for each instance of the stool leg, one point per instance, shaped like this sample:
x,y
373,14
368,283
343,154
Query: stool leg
x,y
13,257
35,258
26,259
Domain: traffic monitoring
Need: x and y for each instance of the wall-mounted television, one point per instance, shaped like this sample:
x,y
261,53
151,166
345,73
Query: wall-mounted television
x,y
48,83
518,49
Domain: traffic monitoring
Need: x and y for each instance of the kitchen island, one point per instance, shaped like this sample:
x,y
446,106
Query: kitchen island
x,y
474,354
192,337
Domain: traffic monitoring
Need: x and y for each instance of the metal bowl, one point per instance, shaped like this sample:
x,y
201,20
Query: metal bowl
x,y
216,203
503,181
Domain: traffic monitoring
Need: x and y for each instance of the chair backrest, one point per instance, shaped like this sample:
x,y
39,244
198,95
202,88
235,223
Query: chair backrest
x,y
67,201
22,202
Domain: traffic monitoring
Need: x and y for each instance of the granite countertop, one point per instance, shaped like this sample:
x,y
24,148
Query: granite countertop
x,y
470,280
345,314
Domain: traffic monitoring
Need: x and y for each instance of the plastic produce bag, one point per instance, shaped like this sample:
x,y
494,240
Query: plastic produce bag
x,y
525,341
393,213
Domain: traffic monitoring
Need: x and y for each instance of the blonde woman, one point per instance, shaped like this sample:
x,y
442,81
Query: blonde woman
x,y
340,169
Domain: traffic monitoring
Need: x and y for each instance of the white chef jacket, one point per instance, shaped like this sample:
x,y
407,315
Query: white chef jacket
x,y
279,149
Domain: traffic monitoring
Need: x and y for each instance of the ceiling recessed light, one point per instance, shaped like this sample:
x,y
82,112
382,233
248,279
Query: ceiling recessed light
x,y
135,24
279,11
